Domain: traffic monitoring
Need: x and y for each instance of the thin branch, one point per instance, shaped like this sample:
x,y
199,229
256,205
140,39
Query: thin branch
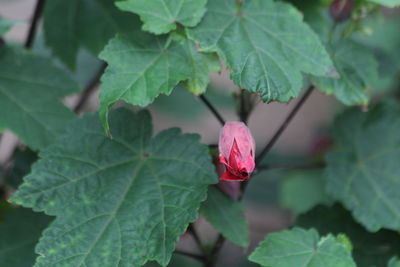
x,y
243,115
89,89
192,255
311,165
33,27
284,125
196,238
212,109
215,251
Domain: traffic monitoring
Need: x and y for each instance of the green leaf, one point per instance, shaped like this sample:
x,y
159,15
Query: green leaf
x,y
143,66
84,23
363,171
299,247
265,43
302,190
162,16
358,72
394,262
20,231
30,92
5,25
369,249
227,216
121,201
201,65
388,3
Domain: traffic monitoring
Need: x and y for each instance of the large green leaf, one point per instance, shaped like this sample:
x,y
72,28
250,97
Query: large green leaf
x,y
142,66
358,72
363,171
5,25
369,249
162,16
388,3
302,190
20,231
299,247
30,92
226,215
69,25
120,201
265,43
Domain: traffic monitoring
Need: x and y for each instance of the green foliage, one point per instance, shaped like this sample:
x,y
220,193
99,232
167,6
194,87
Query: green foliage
x,y
369,249
260,42
363,170
358,72
20,231
120,201
30,92
69,25
394,262
302,190
162,16
126,197
226,215
299,247
5,25
142,66
388,3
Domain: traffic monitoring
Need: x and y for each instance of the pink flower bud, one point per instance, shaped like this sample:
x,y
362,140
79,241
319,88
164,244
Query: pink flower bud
x,y
236,151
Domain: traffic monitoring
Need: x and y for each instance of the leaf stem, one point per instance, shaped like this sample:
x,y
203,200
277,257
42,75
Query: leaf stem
x,y
284,124
90,87
212,109
33,26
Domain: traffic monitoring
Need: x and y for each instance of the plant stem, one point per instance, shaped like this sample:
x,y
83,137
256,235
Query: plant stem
x,y
312,165
196,238
215,250
243,115
284,125
33,27
212,109
90,87
192,255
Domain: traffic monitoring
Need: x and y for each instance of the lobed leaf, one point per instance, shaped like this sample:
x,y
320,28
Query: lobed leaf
x,y
162,16
367,247
265,43
143,66
299,247
121,201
